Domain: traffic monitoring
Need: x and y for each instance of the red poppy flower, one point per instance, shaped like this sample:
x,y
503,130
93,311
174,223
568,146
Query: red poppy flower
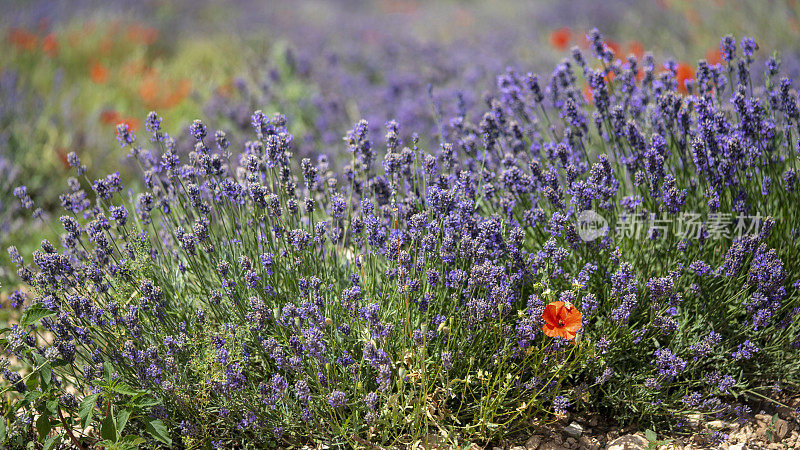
x,y
561,320
614,47
132,123
560,38
98,73
683,74
588,94
50,45
637,49
140,34
109,117
714,56
22,39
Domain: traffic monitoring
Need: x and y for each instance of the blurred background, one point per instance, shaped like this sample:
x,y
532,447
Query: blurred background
x,y
71,70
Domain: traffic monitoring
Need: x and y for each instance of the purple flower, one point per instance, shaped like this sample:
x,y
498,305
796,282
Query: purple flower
x,y
337,399
197,130
745,351
700,268
314,342
669,365
560,404
153,124
124,135
705,347
447,361
728,48
607,374
749,47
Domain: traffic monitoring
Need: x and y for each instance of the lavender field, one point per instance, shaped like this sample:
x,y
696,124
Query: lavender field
x,y
400,224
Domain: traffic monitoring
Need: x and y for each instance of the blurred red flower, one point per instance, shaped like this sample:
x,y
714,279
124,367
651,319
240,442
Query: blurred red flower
x,y
98,73
683,73
109,117
560,38
637,49
714,56
140,34
614,46
22,39
50,45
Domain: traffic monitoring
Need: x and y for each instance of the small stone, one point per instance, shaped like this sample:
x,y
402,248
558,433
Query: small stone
x,y
573,430
571,441
781,428
589,443
593,422
533,442
628,442
517,447
771,429
552,445
763,419
737,447
717,425
694,420
430,441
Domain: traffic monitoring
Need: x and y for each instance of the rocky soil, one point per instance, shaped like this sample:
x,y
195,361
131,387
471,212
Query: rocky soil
x,y
780,429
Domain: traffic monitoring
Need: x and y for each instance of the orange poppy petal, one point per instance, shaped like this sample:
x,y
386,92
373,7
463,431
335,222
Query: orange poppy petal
x,y
555,332
573,315
574,320
560,38
551,312
551,331
573,327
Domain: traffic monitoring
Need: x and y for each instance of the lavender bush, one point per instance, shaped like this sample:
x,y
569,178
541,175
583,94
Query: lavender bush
x,y
79,67
244,298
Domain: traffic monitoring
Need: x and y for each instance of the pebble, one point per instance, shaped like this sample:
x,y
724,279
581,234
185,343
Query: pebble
x,y
694,420
771,429
717,425
573,430
589,443
533,442
628,442
552,445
